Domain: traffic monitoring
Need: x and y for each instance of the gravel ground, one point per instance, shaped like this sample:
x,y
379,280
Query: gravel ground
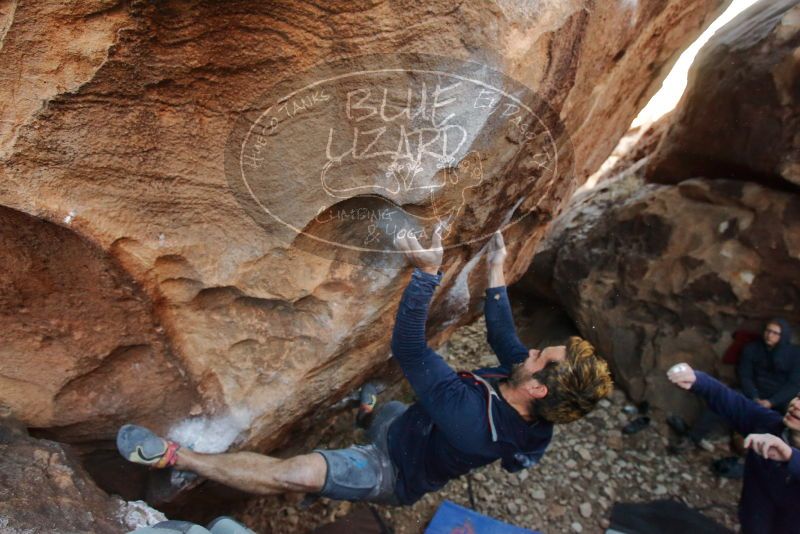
x,y
588,466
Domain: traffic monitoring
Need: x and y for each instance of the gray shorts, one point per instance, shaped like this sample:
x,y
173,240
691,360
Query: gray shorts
x,y
364,472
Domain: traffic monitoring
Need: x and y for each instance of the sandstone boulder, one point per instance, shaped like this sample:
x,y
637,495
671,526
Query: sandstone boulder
x,y
139,288
81,341
656,275
740,115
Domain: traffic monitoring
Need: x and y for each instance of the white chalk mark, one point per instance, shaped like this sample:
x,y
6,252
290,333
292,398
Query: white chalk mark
x,y
137,514
458,296
211,434
70,216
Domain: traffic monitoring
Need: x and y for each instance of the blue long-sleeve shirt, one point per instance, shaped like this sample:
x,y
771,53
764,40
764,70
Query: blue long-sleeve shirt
x,y
500,331
458,422
770,501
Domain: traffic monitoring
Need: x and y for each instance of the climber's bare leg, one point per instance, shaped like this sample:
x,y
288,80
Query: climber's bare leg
x,y
257,473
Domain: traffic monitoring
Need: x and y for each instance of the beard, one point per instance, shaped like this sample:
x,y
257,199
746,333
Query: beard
x,y
518,375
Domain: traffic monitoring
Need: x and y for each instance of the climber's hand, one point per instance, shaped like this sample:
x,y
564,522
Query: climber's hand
x,y
496,255
425,259
495,259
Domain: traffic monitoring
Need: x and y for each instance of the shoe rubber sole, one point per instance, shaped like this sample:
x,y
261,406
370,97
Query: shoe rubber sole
x,y
139,445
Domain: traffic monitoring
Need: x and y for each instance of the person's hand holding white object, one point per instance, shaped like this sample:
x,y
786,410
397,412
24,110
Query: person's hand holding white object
x,y
682,375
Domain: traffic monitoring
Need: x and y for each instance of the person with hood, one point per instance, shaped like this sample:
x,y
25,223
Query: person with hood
x,y
769,369
460,421
771,485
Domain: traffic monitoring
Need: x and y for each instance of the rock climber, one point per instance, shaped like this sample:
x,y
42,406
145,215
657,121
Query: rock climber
x,y
460,421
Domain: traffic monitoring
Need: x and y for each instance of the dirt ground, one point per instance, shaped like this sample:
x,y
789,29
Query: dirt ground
x,y
589,465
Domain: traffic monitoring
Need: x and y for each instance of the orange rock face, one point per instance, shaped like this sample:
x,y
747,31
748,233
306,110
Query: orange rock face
x,y
141,284
81,340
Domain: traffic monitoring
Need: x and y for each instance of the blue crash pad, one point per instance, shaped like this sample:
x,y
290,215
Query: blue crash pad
x,y
451,518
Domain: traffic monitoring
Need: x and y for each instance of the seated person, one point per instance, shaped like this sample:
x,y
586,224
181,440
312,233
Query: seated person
x,y
771,487
770,367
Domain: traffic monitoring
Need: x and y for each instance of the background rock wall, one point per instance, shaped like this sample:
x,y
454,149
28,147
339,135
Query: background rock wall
x,y
114,121
739,116
657,274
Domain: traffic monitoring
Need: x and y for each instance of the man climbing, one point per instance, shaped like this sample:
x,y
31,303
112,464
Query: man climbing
x,y
460,421
771,486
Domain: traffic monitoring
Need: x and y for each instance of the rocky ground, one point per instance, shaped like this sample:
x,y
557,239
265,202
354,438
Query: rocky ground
x,y
590,464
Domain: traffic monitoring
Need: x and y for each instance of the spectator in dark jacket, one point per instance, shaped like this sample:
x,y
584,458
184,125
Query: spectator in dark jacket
x,y
770,367
770,502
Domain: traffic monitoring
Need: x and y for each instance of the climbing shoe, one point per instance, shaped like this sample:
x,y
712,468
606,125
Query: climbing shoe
x,y
367,400
137,444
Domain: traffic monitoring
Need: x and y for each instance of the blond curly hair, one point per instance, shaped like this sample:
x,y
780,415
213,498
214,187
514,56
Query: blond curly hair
x,y
574,385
